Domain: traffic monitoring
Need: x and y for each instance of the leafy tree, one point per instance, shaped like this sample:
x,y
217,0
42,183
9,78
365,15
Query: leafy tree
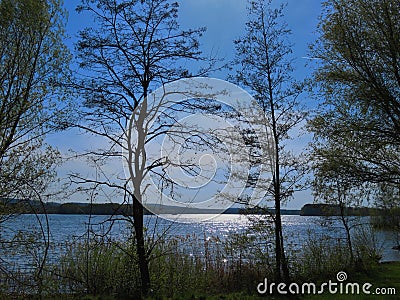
x,y
33,60
134,47
265,68
357,131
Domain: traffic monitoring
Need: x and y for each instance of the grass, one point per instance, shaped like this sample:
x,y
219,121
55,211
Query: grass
x,y
386,275
381,276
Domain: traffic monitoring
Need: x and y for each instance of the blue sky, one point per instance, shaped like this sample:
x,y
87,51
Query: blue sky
x,y
224,20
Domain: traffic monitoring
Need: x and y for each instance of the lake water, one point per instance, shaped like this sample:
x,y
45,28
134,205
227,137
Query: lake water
x,y
296,228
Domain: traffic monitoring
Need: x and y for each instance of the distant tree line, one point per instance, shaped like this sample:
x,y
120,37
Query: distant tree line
x,y
35,207
322,209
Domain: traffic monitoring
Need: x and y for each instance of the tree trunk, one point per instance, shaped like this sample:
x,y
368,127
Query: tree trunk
x,y
281,267
140,247
347,229
278,249
284,263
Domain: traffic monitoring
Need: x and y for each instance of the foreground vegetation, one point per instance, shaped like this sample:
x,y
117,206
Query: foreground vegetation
x,y
380,275
188,267
385,275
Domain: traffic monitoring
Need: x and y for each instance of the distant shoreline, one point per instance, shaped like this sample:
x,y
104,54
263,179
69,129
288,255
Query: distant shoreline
x,y
80,208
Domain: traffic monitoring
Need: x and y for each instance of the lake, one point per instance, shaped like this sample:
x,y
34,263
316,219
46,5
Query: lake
x,y
296,228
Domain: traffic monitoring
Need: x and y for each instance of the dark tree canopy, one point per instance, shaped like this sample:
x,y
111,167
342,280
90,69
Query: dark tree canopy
x,y
357,132
136,46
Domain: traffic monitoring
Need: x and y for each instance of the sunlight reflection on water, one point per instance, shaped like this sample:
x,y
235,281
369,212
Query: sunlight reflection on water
x,y
296,228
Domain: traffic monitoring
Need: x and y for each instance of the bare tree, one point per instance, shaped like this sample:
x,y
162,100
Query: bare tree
x,y
264,66
133,48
